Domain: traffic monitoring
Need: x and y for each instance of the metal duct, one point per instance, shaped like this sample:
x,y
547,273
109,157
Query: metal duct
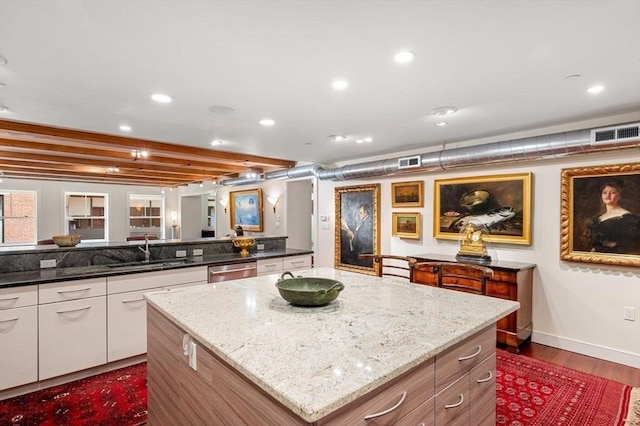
x,y
556,145
244,180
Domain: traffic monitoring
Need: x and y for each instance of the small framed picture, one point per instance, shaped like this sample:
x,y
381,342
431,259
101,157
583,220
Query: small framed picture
x,y
600,215
407,194
246,209
407,225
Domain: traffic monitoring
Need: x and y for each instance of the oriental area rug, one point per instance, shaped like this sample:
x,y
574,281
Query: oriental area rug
x,y
528,392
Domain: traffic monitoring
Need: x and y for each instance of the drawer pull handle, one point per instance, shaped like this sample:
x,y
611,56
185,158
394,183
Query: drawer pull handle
x,y
10,320
387,411
473,355
457,404
133,300
270,265
297,261
74,310
9,298
487,379
74,291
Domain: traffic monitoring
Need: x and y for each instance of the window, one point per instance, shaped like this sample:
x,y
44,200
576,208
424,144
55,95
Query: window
x,y
86,214
211,213
145,215
17,217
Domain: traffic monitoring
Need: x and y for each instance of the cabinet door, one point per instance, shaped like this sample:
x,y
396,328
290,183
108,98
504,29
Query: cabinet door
x,y
482,384
72,336
126,325
270,266
18,346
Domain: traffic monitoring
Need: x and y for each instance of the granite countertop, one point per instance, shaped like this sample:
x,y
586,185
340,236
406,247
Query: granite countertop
x,y
47,275
316,360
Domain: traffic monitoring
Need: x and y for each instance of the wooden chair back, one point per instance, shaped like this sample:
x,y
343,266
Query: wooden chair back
x,y
391,265
45,242
465,277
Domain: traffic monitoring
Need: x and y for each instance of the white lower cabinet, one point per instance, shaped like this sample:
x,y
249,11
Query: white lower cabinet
x,y
278,265
126,324
73,336
18,346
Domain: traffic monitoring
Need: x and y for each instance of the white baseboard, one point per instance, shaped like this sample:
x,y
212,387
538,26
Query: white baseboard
x,y
589,349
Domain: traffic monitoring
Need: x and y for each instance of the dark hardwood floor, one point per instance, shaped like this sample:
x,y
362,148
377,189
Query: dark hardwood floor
x,y
609,370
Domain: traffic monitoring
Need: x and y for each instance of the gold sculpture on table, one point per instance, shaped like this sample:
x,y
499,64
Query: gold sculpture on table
x,y
244,243
472,244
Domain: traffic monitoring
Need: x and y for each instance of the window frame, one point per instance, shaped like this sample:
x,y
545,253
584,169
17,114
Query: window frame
x,y
105,214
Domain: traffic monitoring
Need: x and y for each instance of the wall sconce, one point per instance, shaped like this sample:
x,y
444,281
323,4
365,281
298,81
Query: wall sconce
x,y
174,216
273,200
224,204
2,176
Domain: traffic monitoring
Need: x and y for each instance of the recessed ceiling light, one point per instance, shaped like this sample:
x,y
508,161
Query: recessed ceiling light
x,y
359,140
216,142
573,77
336,138
125,128
595,89
162,98
4,109
113,169
368,139
441,123
404,56
445,110
340,84
267,122
221,110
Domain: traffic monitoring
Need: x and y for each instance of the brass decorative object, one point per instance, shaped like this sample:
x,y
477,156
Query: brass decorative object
x,y
244,243
473,244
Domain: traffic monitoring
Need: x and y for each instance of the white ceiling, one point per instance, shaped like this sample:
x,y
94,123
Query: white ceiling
x,y
93,64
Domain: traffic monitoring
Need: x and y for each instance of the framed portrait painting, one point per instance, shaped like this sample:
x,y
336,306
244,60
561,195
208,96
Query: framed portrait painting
x,y
500,204
407,194
246,209
600,214
357,227
406,225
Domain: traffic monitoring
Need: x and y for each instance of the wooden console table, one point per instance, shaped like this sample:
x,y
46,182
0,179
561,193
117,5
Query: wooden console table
x,y
511,281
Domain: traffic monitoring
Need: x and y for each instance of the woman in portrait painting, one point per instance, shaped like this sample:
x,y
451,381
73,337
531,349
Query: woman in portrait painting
x,y
616,230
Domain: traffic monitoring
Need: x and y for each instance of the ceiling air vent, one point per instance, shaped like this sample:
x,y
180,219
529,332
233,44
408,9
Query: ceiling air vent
x,y
409,162
627,131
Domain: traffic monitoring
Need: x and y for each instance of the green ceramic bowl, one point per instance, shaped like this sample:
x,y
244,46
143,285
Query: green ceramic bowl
x,y
308,291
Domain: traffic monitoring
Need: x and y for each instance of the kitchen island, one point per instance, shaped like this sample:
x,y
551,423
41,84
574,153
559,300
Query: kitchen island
x,y
385,348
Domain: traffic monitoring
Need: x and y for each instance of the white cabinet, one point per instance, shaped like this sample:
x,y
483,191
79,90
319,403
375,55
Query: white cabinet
x,y
73,333
279,265
18,336
127,309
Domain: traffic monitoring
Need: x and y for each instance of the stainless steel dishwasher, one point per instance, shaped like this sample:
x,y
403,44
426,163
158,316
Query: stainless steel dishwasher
x,y
234,271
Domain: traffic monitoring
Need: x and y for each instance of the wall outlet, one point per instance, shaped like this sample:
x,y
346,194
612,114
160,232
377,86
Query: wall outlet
x,y
181,253
48,263
629,314
197,252
260,246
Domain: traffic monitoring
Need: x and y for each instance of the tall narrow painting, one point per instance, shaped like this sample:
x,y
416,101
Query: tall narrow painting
x,y
600,214
357,227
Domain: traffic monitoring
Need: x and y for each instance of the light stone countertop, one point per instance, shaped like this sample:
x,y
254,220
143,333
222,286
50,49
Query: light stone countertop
x,y
315,360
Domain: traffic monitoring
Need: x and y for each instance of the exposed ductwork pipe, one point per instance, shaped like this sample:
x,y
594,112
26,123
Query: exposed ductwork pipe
x,y
527,149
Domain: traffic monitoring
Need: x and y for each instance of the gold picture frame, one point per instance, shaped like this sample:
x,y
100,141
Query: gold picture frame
x,y
500,204
600,214
406,225
246,210
407,194
357,230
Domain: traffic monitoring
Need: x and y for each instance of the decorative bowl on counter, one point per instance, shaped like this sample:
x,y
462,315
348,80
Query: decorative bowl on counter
x,y
244,243
66,240
308,291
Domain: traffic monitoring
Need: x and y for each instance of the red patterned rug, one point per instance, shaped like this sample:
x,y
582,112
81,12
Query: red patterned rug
x,y
528,392
534,392
115,398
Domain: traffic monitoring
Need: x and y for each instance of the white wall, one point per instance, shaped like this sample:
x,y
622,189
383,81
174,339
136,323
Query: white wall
x,y
576,306
50,204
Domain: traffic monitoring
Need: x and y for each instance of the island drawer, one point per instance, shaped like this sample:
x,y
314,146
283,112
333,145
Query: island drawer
x,y
16,297
462,357
406,393
71,290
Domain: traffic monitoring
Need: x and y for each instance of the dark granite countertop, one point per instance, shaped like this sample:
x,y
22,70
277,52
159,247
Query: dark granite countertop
x,y
47,275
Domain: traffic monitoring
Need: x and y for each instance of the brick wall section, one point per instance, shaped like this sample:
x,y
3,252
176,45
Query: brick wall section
x,y
19,217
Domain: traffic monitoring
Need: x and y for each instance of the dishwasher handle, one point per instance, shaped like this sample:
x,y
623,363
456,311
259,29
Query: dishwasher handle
x,y
231,271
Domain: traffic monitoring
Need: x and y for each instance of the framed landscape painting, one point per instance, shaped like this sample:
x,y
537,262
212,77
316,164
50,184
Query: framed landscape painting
x,y
407,194
406,225
500,204
246,209
600,214
357,227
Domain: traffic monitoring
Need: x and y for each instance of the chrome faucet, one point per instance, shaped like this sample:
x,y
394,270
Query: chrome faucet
x,y
145,250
